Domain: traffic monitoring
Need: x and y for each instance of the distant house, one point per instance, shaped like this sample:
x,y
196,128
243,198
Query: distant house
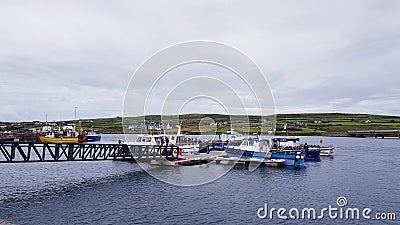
x,y
367,121
317,121
37,122
300,124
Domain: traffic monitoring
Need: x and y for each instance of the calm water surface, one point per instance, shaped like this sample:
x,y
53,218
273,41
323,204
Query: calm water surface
x,y
365,171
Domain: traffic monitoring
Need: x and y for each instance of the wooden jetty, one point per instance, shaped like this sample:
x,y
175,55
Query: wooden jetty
x,y
374,133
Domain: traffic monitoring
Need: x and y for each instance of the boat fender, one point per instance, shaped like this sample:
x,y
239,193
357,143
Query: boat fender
x,y
298,156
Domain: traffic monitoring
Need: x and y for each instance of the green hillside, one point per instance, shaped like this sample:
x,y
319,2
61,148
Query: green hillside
x,y
336,124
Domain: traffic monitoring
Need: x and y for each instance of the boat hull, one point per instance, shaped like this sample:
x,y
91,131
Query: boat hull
x,y
243,154
290,158
312,155
58,139
92,138
324,151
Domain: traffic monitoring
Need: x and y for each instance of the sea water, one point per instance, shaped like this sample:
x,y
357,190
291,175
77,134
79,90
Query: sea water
x,y
364,171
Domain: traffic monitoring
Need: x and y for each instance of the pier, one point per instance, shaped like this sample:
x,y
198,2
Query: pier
x,y
25,152
374,133
20,152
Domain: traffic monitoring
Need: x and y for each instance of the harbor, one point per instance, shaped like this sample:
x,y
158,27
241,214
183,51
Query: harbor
x,y
199,112
52,188
162,149
23,152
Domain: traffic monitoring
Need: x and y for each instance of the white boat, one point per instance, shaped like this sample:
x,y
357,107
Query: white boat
x,y
249,148
323,150
186,144
231,135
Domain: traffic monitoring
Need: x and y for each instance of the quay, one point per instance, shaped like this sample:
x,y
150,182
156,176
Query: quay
x,y
374,133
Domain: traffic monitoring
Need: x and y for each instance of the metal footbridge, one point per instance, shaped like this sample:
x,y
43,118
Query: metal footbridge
x,y
19,152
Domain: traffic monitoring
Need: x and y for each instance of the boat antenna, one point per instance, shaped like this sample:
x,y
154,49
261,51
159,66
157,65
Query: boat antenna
x,y
59,125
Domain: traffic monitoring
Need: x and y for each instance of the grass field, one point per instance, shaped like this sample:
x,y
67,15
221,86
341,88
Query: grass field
x,y
297,124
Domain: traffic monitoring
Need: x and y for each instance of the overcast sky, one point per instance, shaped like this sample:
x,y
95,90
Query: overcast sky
x,y
318,56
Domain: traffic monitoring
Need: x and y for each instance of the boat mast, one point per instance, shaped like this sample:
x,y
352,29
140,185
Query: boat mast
x,y
75,119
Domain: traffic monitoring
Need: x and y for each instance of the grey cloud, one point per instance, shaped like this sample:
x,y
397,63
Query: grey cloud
x,y
337,56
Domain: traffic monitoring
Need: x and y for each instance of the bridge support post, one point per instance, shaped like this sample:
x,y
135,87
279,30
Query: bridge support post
x,y
70,156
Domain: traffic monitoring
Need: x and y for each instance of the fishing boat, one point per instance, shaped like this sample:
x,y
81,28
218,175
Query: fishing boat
x,y
185,144
212,145
54,139
292,158
249,148
323,150
261,149
284,145
92,135
231,135
66,135
231,138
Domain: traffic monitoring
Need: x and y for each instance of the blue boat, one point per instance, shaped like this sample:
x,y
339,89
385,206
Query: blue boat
x,y
249,148
228,138
290,144
312,154
260,149
292,158
92,136
214,145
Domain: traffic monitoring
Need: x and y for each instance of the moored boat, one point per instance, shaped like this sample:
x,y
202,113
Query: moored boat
x,y
185,144
292,144
92,135
249,148
292,158
324,150
67,134
50,139
226,139
288,148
